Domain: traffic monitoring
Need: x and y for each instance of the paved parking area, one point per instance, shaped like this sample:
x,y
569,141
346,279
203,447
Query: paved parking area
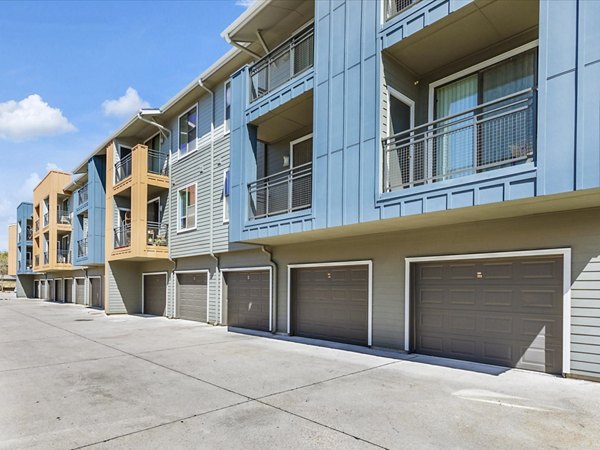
x,y
71,377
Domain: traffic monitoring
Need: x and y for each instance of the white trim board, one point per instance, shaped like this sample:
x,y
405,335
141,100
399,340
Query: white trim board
x,y
176,282
272,326
166,274
368,263
565,253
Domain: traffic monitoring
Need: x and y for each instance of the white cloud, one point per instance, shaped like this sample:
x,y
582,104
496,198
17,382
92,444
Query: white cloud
x,y
51,166
31,118
245,3
125,105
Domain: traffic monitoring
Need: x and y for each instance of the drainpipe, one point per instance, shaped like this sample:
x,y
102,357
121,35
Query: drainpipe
x,y
166,133
273,265
212,191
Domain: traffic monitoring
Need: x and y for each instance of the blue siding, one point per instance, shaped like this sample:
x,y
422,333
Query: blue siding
x,y
24,213
349,39
95,207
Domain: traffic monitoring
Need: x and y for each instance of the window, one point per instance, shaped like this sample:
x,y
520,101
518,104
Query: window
x,y
187,132
225,195
153,143
187,208
227,106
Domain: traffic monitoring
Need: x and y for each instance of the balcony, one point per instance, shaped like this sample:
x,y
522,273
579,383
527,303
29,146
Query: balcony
x,y
82,195
46,221
123,168
29,233
82,248
157,234
287,61
63,216
493,135
158,162
37,225
46,258
63,256
281,193
395,7
122,236
37,260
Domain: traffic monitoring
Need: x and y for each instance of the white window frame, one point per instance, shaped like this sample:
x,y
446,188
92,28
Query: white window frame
x,y
189,152
118,148
297,141
368,263
391,92
184,230
473,69
564,252
226,123
226,210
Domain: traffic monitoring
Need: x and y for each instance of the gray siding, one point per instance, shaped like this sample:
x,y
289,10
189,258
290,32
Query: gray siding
x,y
577,230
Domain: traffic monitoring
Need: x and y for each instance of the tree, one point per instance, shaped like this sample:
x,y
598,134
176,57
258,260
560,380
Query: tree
x,y
3,268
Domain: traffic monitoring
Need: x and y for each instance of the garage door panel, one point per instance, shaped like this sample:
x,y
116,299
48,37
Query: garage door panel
x,y
155,294
248,299
331,303
192,294
80,291
510,315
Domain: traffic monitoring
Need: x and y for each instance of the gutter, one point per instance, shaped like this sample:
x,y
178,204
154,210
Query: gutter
x,y
212,191
274,268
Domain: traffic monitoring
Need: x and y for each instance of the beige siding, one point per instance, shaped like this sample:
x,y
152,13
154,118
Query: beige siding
x,y
575,229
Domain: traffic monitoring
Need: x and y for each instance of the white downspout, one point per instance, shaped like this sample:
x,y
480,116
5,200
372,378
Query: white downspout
x,y
212,193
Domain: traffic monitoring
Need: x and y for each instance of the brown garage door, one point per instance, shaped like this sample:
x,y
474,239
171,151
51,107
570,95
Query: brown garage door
x,y
68,291
248,299
96,292
191,296
155,294
51,293
499,311
331,303
80,291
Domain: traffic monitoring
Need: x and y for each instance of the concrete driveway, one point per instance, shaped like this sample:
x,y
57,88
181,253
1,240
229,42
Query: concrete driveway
x,y
71,377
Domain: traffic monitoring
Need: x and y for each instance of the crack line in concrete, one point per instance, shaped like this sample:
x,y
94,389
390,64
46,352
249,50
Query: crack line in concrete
x,y
248,398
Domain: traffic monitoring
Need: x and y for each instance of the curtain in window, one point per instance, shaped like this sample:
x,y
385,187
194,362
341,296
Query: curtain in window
x,y
453,152
509,136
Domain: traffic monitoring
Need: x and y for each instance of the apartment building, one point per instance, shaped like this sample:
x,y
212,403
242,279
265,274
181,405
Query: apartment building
x,y
11,264
426,175
23,255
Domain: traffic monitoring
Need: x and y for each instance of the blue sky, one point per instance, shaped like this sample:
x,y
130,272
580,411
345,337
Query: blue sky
x,y
72,72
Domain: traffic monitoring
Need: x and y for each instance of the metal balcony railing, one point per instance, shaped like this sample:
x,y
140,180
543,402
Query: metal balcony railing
x,y
63,216
28,265
280,193
158,162
122,236
283,63
493,135
46,258
46,219
28,233
123,168
37,225
63,256
395,7
82,195
82,248
157,234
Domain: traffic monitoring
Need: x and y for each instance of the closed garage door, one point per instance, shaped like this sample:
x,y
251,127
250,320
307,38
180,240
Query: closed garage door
x,y
500,311
155,294
51,293
80,291
331,303
191,296
58,290
96,292
248,302
45,290
68,291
